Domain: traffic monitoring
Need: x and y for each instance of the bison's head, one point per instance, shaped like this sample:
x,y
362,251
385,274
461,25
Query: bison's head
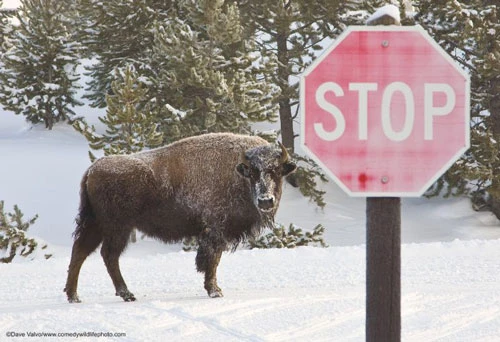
x,y
265,167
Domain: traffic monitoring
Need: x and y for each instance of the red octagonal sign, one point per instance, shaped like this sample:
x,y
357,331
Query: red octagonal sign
x,y
385,111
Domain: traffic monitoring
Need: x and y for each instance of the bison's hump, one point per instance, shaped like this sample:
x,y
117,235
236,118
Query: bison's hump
x,y
119,164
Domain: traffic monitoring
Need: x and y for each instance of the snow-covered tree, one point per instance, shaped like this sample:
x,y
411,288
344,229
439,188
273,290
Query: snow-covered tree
x,y
470,32
116,33
294,236
13,239
38,79
199,69
203,74
292,32
4,24
486,102
130,126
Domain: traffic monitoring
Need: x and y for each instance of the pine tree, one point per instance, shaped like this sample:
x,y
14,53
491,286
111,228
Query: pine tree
x,y
117,33
4,24
486,95
130,127
292,32
202,73
38,80
470,32
190,55
293,237
13,239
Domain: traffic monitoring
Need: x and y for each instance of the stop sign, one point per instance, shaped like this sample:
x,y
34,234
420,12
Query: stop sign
x,y
385,111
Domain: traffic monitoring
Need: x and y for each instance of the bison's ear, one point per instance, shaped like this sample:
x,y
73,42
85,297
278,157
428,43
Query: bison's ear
x,y
243,170
288,167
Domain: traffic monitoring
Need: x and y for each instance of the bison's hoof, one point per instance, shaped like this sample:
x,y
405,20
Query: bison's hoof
x,y
74,298
215,294
129,298
126,296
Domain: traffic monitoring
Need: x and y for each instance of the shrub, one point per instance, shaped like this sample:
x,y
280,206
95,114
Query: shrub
x,y
280,237
13,239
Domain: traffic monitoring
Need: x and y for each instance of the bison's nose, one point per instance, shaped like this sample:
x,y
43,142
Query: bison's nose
x,y
266,203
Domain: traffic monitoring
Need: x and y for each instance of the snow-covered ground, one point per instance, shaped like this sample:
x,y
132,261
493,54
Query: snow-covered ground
x,y
450,266
450,293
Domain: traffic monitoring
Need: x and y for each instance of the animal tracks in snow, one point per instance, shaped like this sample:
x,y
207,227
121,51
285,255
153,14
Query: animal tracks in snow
x,y
291,314
449,293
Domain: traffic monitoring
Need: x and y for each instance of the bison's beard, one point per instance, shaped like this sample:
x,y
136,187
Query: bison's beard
x,y
266,221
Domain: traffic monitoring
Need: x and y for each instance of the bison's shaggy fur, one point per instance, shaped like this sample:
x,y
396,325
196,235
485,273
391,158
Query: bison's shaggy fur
x,y
218,187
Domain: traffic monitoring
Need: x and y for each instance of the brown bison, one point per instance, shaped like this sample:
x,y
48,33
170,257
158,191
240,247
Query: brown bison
x,y
220,188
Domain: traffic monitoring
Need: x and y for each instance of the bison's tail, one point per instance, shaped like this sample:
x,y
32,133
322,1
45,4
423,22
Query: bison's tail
x,y
88,237
87,230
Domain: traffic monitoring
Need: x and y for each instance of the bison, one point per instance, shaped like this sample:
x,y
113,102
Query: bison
x,y
220,188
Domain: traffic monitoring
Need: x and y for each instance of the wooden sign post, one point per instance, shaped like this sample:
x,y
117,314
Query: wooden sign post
x,y
383,258
383,269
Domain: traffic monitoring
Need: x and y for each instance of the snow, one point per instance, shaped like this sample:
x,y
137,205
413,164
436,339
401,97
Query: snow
x,y
450,266
179,113
51,86
386,10
11,3
450,293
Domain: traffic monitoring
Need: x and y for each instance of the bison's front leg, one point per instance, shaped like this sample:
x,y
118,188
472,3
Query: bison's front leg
x,y
211,245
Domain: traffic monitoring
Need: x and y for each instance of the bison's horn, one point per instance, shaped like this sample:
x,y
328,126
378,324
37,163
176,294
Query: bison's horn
x,y
284,153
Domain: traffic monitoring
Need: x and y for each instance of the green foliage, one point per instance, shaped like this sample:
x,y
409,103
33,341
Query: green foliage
x,y
307,175
206,78
13,239
293,36
130,126
117,33
38,80
200,70
280,237
4,25
470,32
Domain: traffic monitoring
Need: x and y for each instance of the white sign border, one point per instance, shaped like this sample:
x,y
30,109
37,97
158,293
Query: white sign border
x,y
437,47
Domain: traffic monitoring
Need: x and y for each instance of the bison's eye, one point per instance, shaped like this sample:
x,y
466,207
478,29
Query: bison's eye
x,y
248,171
243,170
254,173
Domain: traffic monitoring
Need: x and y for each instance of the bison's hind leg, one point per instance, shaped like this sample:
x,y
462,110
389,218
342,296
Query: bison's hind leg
x,y
84,245
112,247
